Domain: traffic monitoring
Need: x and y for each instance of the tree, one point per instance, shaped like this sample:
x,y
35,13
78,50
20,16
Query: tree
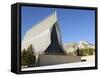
x,y
91,51
27,57
23,57
30,60
78,52
87,51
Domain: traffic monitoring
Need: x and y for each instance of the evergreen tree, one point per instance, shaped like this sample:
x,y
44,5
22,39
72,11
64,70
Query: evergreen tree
x,y
23,57
27,57
30,60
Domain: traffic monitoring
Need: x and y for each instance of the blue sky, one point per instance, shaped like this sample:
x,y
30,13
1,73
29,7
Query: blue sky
x,y
75,24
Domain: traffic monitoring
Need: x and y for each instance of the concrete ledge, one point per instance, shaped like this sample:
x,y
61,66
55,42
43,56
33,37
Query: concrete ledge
x,y
57,59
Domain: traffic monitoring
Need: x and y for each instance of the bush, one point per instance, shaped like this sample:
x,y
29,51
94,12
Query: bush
x,y
84,52
87,51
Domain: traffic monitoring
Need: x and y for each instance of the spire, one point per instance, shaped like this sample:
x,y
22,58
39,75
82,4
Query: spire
x,y
55,13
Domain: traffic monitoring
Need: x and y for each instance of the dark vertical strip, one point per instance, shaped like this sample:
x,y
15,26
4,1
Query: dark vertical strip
x,y
19,38
96,38
14,38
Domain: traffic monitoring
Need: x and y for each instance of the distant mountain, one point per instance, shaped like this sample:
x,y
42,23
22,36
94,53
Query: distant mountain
x,y
85,44
73,46
70,47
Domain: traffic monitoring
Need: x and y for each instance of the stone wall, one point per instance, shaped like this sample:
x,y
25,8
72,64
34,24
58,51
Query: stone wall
x,y
57,59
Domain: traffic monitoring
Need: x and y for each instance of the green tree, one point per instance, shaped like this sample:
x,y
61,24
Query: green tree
x,y
87,51
23,57
30,58
91,51
27,57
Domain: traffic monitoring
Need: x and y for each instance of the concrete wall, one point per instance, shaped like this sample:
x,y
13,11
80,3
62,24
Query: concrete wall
x,y
57,59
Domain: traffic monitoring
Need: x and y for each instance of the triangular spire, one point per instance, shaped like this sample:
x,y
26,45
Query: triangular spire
x,y
55,13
